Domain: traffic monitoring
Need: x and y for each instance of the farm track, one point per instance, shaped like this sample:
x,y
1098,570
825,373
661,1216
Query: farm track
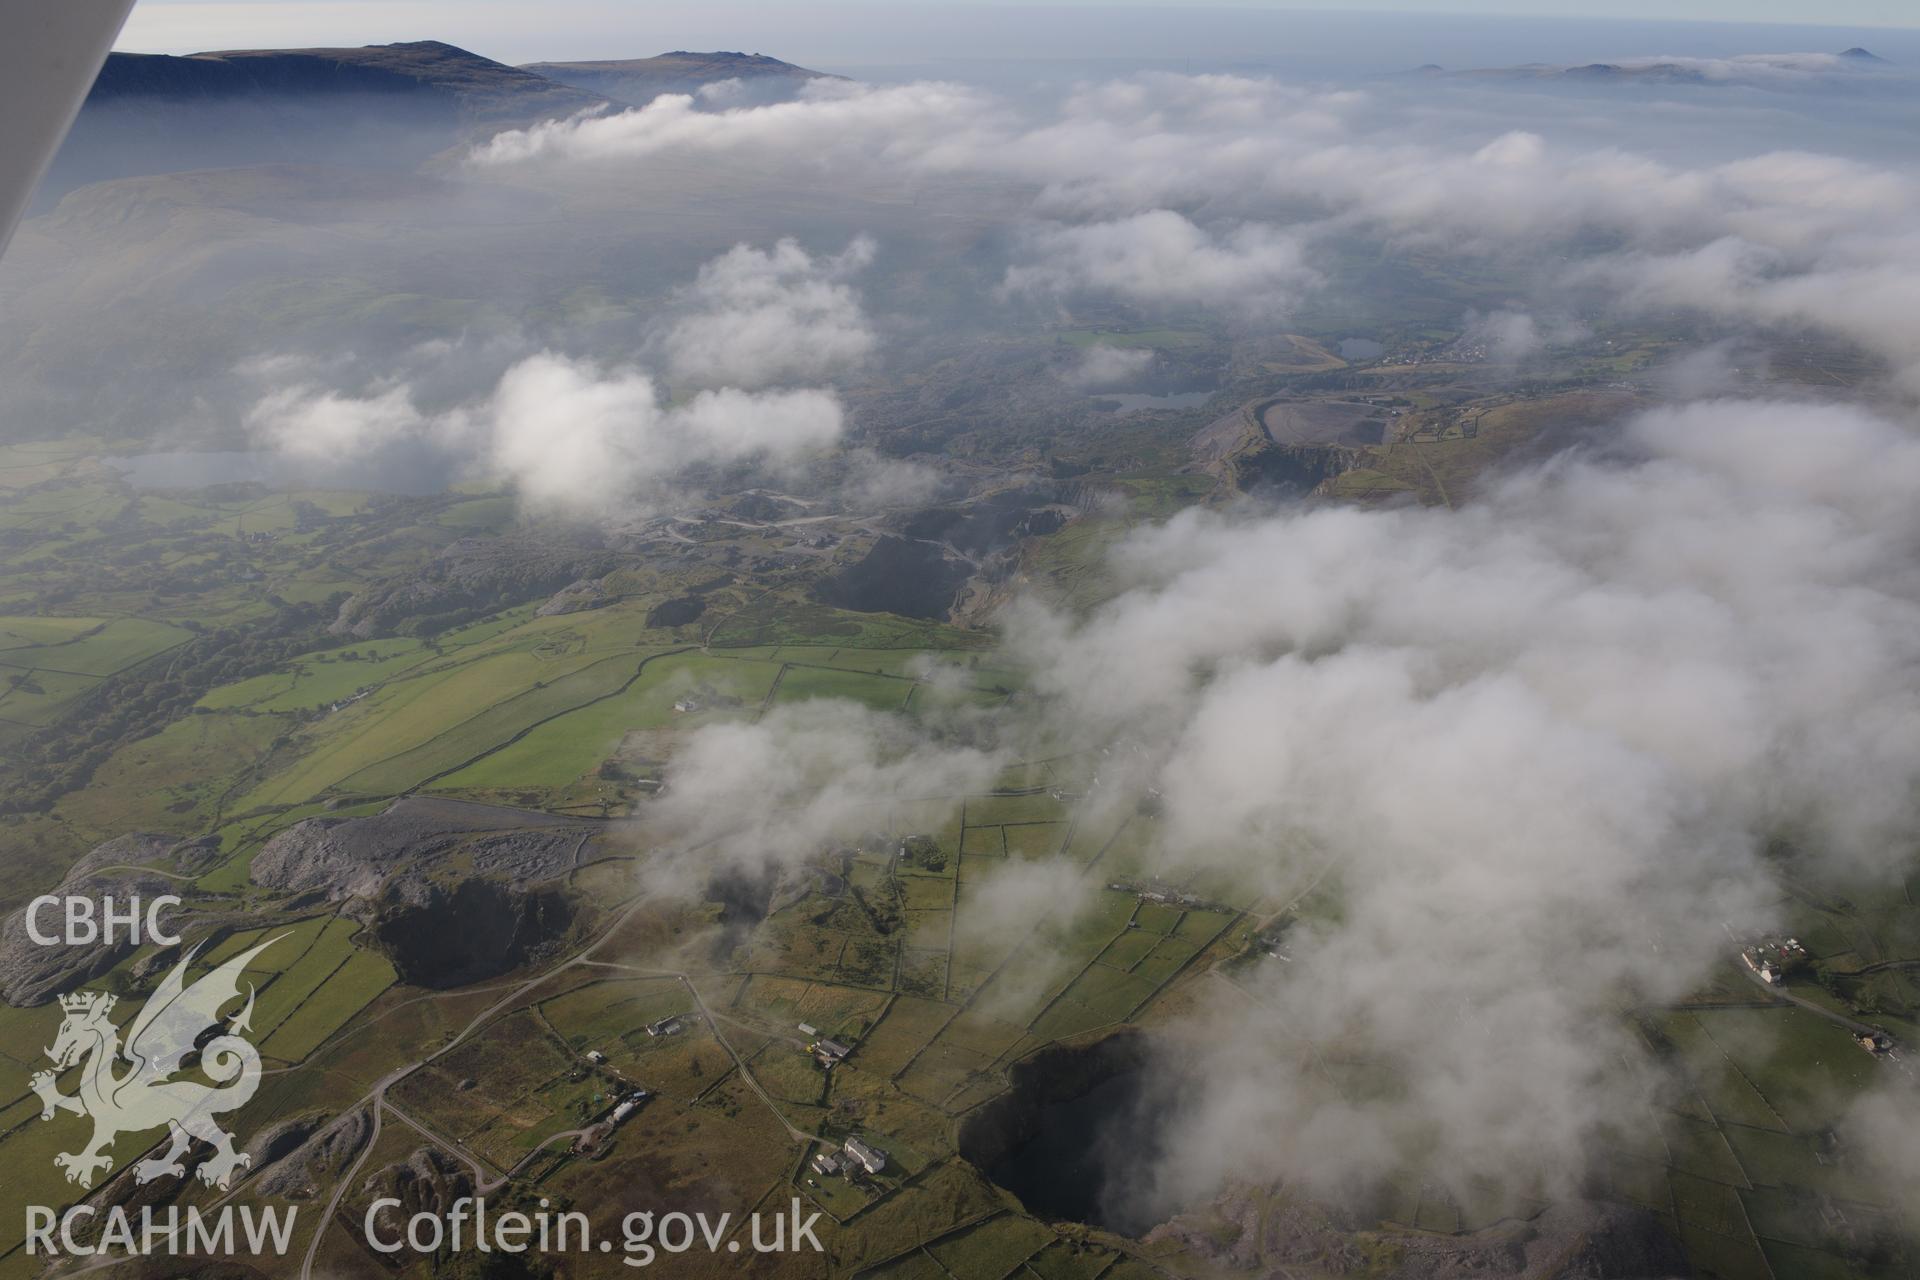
x,y
376,1097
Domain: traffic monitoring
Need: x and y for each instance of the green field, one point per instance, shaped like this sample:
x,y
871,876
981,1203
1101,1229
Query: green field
x,y
611,1016
569,747
403,715
321,678
38,698
20,632
345,992
499,724
179,780
115,646
882,693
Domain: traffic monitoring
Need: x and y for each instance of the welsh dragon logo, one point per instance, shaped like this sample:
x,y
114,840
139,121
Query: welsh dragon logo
x,y
146,1095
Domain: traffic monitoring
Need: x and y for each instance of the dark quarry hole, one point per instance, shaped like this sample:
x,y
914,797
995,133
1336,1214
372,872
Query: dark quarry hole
x,y
912,579
676,612
473,931
1067,1169
1072,1135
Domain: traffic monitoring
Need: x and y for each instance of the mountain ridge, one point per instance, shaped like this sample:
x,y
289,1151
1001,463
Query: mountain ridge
x,y
1741,69
640,80
480,88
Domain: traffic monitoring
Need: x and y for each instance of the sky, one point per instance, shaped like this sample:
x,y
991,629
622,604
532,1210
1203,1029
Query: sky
x,y
855,35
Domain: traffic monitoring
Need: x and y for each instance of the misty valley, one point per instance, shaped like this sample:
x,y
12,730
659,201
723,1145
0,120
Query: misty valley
x,y
1099,668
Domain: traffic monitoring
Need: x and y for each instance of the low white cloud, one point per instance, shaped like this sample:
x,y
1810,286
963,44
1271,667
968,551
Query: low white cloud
x,y
568,435
805,775
588,438
304,422
874,480
722,92
1162,257
755,317
1516,337
1520,760
832,122
1102,367
1208,190
1882,1130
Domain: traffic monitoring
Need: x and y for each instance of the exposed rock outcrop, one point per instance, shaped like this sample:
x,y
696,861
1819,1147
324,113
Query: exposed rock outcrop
x,y
452,894
575,597
428,1181
299,1173
469,579
32,973
342,858
1257,1230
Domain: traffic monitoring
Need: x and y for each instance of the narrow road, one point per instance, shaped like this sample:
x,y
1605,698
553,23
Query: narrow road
x,y
482,1184
1781,993
377,1096
797,1134
1894,1058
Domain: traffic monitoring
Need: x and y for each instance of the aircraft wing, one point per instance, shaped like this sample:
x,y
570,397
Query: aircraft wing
x,y
50,51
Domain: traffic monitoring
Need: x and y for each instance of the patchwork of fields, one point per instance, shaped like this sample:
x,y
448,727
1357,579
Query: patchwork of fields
x,y
940,967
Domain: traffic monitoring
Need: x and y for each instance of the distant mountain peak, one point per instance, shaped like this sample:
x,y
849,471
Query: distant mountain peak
x,y
640,80
1780,70
480,88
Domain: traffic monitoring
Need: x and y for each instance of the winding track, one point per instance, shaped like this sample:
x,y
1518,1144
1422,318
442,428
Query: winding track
x,y
377,1096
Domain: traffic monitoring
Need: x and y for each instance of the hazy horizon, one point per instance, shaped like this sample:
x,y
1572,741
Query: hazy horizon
x,y
851,36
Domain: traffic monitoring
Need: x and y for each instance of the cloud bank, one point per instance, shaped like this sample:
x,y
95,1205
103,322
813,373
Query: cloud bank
x,y
1518,762
581,437
568,435
1216,190
755,317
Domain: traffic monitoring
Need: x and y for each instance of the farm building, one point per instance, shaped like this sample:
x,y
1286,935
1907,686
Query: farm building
x,y
829,1051
667,1026
827,1164
866,1157
1773,959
